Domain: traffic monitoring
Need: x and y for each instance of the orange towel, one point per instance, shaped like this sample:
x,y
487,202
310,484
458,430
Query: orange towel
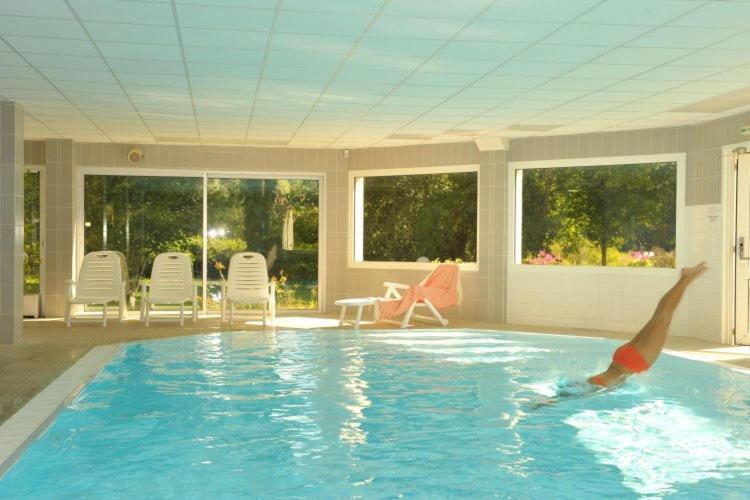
x,y
440,288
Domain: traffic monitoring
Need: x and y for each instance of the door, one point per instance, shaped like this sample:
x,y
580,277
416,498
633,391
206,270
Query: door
x,y
33,241
742,252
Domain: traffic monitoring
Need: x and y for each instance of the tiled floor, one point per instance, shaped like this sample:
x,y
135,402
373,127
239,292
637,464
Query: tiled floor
x,y
49,347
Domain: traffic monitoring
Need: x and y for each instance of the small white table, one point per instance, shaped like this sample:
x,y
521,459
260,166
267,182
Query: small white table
x,y
359,303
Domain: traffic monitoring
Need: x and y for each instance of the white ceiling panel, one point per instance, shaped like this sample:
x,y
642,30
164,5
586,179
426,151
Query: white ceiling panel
x,y
33,26
78,75
146,66
579,84
475,67
33,8
715,57
533,10
534,68
360,6
131,33
717,14
250,4
596,34
450,9
424,28
642,55
506,31
366,72
55,46
223,56
141,51
490,51
684,73
432,78
616,71
638,12
225,18
66,62
561,53
313,76
154,13
324,23
12,59
683,37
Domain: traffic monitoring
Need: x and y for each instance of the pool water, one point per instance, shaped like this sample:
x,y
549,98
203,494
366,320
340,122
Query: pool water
x,y
334,414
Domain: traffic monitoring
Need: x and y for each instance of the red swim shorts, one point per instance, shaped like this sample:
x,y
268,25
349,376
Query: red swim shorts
x,y
629,357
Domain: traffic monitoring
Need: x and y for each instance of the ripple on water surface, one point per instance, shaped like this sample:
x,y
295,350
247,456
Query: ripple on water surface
x,y
380,414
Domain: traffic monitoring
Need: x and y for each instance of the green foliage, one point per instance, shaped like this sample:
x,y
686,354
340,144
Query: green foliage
x,y
407,217
144,216
602,212
31,236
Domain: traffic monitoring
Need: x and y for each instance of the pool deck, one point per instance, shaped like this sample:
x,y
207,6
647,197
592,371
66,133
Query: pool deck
x,y
49,348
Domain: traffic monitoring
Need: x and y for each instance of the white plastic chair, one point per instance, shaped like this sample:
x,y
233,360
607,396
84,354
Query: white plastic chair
x,y
392,293
171,284
102,279
248,283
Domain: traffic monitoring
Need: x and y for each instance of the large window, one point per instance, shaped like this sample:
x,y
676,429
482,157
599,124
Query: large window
x,y
32,246
415,216
276,217
597,215
142,216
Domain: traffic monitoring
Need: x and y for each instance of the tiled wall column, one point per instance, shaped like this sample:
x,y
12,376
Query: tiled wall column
x,y
59,224
493,167
11,222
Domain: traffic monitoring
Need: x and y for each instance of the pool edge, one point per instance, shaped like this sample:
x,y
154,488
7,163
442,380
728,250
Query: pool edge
x,y
35,416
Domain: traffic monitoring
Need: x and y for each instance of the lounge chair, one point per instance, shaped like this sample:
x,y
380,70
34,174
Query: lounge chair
x,y
171,284
248,283
102,279
441,289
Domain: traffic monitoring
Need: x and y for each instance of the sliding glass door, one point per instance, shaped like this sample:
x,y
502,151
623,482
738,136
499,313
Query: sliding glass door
x,y
141,217
32,241
276,217
209,217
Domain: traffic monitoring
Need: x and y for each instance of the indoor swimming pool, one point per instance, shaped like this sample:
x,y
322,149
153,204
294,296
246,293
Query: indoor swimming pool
x,y
333,414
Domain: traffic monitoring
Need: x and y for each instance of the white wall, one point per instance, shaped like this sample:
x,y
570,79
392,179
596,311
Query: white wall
x,y
624,299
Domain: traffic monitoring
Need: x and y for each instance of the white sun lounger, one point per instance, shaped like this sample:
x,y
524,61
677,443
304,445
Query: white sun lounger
x,y
248,283
102,279
171,284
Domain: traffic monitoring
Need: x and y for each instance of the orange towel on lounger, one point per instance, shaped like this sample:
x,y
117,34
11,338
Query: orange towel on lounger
x,y
440,288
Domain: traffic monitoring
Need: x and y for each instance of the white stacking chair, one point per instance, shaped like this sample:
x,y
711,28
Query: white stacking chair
x,y
102,279
248,283
171,284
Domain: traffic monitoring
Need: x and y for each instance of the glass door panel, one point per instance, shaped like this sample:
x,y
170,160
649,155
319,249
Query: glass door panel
x,y
276,217
143,216
32,246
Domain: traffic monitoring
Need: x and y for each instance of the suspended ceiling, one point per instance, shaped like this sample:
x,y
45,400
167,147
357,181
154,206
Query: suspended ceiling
x,y
363,73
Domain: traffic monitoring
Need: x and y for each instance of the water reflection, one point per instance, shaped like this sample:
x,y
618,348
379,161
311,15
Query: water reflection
x,y
658,445
355,387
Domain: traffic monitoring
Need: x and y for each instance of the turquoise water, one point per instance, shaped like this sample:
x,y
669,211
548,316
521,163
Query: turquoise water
x,y
338,414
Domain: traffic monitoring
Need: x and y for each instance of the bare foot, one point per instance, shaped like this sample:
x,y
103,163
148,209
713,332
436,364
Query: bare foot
x,y
693,272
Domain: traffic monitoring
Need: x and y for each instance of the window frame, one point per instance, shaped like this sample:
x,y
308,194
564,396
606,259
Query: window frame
x,y
81,171
355,213
515,203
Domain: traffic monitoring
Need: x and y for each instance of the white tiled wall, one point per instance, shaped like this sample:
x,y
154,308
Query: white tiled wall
x,y
704,299
624,299
596,299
